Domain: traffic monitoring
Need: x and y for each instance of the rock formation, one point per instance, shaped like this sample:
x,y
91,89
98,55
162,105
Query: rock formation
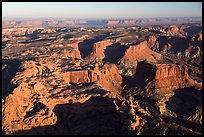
x,y
107,76
99,49
74,53
151,41
31,103
105,22
200,36
174,30
56,81
136,53
161,79
112,22
170,77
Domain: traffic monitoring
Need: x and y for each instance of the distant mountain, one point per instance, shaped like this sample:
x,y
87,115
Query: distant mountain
x,y
62,22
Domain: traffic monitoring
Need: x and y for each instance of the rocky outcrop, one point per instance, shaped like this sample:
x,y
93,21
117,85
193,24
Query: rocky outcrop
x,y
193,51
110,78
112,22
160,79
170,88
200,36
89,117
171,44
140,52
24,110
99,49
170,77
73,53
48,89
192,30
120,22
41,84
183,47
152,41
106,76
174,30
164,78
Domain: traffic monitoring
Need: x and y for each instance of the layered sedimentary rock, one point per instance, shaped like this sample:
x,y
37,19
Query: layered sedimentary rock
x,y
170,86
176,45
99,49
20,31
164,78
74,53
121,22
112,22
107,76
64,23
152,41
140,52
24,110
40,85
48,89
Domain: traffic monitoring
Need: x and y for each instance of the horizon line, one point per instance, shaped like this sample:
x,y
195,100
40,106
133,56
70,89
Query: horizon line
x,y
104,18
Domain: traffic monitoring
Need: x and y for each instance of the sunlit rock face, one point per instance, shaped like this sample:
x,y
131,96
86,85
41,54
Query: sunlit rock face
x,y
140,52
141,80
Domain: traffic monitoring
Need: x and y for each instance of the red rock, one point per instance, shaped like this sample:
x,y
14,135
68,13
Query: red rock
x,y
164,77
112,22
73,53
174,30
200,36
136,53
99,49
106,76
152,41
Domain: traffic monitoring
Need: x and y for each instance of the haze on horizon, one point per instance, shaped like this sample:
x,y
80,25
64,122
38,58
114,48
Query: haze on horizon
x,y
101,9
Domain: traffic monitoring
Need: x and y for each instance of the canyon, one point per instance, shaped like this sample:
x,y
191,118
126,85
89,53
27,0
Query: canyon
x,y
115,80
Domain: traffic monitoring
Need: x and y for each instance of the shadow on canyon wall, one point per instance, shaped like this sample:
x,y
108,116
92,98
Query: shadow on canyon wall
x,y
96,116
7,74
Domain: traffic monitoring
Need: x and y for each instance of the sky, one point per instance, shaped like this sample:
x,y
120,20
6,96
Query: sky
x,y
101,9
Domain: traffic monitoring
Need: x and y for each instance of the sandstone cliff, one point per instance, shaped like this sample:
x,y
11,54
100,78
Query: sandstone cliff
x,y
152,41
40,85
164,78
112,22
99,49
175,45
74,53
140,52
106,76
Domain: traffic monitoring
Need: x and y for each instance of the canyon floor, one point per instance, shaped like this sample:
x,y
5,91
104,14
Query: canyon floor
x,y
102,80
